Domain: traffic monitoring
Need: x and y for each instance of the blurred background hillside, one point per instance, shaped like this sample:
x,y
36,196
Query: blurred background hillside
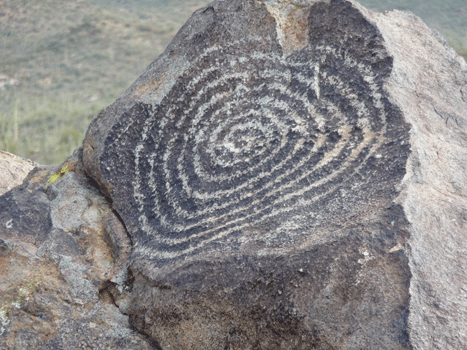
x,y
61,61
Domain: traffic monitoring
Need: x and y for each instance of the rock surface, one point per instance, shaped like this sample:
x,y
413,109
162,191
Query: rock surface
x,y
287,175
57,265
292,176
429,83
13,170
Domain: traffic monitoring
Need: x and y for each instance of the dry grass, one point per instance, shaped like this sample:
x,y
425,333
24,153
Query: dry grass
x,y
63,61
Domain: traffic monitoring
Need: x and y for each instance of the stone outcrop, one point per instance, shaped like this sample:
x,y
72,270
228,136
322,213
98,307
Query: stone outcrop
x,y
292,176
287,175
57,266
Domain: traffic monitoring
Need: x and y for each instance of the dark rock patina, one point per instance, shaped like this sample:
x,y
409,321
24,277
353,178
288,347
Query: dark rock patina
x,y
252,150
256,175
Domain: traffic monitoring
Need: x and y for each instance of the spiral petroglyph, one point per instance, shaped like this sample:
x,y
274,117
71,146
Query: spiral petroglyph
x,y
259,141
285,171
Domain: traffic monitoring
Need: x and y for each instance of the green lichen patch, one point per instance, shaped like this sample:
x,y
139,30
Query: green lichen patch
x,y
58,175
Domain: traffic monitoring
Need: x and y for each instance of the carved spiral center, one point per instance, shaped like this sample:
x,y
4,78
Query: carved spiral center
x,y
239,142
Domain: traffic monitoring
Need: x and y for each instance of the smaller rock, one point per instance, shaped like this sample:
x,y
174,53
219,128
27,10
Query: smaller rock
x,y
13,170
57,259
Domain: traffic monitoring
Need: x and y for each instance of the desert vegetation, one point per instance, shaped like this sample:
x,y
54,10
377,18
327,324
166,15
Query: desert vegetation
x,y
61,62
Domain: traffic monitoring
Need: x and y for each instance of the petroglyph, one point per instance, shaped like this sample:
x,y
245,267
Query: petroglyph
x,y
251,137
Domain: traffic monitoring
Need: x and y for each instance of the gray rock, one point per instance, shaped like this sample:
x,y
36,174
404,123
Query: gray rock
x,y
13,170
427,82
287,175
292,175
56,266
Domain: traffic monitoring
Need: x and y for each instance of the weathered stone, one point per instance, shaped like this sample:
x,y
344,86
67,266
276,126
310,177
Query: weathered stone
x,y
13,170
245,137
427,83
56,266
293,176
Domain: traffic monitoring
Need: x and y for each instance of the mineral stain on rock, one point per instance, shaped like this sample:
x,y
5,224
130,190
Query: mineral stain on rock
x,y
54,260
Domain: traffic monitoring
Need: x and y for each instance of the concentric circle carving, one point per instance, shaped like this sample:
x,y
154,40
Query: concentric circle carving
x,y
258,146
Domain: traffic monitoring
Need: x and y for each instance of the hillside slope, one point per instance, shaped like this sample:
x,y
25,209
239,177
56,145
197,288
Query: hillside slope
x,y
63,61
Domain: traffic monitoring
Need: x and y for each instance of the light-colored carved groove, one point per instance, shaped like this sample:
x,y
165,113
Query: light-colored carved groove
x,y
241,141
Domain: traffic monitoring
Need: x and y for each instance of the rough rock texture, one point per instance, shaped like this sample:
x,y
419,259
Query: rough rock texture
x,y
13,170
293,176
287,175
429,82
57,266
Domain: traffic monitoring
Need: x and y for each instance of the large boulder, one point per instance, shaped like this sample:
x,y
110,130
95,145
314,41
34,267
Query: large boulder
x,y
287,175
293,175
